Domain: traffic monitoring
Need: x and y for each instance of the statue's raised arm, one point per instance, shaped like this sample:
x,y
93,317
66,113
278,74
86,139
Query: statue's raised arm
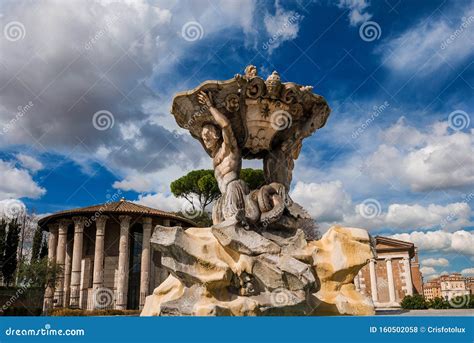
x,y
221,120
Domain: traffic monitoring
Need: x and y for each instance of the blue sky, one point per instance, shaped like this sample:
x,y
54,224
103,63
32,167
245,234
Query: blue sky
x,y
398,75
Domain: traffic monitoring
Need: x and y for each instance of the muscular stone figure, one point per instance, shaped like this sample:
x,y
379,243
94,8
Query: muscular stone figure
x,y
227,162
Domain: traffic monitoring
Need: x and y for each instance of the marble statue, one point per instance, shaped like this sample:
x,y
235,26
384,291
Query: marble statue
x,y
256,258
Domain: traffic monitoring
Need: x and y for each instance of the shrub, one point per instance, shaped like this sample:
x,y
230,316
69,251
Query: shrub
x,y
438,304
22,311
69,312
414,302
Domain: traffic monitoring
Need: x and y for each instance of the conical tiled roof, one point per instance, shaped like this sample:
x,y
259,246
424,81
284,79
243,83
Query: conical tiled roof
x,y
118,207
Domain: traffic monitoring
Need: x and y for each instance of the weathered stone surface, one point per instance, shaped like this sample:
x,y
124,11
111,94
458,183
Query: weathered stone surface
x,y
284,271
340,254
234,283
289,240
194,256
236,237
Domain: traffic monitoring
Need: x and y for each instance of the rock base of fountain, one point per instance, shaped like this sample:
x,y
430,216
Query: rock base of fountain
x,y
226,270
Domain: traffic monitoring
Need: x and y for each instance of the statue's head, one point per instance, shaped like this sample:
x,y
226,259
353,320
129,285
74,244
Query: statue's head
x,y
210,135
273,84
250,72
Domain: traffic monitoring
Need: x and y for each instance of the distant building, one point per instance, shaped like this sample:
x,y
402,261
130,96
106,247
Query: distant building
x,y
470,284
448,287
392,275
432,289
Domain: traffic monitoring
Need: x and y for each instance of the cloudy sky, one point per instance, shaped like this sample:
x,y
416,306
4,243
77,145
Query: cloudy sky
x,y
86,88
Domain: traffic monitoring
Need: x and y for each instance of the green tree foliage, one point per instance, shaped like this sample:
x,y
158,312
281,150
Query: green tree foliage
x,y
418,302
253,177
438,303
10,256
37,242
38,273
201,185
414,302
197,185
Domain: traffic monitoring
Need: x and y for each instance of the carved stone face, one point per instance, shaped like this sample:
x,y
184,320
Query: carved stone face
x,y
210,136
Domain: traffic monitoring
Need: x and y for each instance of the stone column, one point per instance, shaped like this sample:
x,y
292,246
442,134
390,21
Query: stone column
x,y
373,280
391,284
52,246
98,278
122,280
60,259
408,280
76,261
67,273
52,242
145,262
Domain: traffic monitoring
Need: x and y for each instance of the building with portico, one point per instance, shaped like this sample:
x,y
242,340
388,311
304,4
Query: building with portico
x,y
392,274
104,255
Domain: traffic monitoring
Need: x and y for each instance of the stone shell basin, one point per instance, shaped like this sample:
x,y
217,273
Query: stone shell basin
x,y
262,118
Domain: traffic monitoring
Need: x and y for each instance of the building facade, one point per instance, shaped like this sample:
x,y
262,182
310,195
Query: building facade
x,y
432,289
104,255
448,286
392,275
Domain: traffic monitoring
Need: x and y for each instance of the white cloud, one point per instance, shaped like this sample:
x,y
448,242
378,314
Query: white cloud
x,y
450,216
468,271
114,56
281,27
460,242
17,183
327,202
11,208
156,181
427,270
161,201
357,10
435,262
434,43
29,162
438,159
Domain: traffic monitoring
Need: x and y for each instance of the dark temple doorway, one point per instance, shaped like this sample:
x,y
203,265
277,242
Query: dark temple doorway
x,y
135,244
